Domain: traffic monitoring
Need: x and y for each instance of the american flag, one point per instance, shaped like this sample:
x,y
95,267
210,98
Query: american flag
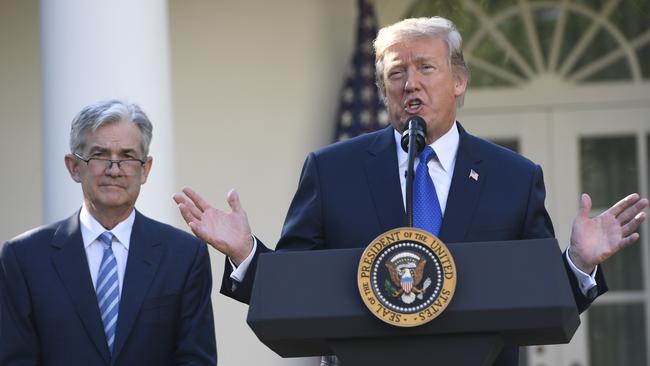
x,y
361,109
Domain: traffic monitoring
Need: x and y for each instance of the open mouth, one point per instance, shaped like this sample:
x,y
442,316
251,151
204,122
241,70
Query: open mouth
x,y
412,106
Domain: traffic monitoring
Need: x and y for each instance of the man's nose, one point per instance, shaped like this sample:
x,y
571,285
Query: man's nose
x,y
113,168
412,81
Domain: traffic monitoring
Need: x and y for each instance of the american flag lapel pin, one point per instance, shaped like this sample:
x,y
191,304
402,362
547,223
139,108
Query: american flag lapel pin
x,y
473,175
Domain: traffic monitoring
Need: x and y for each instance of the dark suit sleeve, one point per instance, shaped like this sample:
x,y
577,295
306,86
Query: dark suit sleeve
x,y
303,226
302,230
538,225
582,301
196,340
19,344
241,291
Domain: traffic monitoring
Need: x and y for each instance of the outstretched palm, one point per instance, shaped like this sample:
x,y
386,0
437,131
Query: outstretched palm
x,y
228,232
593,240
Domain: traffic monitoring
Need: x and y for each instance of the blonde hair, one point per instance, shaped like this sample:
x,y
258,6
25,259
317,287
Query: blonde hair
x,y
413,28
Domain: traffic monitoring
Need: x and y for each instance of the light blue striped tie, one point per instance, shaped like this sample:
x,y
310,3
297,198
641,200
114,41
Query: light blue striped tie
x,y
426,207
108,290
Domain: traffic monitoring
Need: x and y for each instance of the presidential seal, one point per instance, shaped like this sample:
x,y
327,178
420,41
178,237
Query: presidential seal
x,y
406,277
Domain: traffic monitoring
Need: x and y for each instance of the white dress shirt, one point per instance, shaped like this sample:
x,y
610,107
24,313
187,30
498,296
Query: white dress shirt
x,y
441,169
91,229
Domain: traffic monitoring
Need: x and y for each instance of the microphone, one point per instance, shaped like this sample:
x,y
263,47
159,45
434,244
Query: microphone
x,y
413,142
416,127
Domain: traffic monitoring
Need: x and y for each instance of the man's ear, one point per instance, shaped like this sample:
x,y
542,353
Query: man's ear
x,y
146,169
73,165
460,84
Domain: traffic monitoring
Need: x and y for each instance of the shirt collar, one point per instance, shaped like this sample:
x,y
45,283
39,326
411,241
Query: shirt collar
x,y
445,147
91,228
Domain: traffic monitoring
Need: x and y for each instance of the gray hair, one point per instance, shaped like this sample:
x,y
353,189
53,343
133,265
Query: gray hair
x,y
96,115
413,28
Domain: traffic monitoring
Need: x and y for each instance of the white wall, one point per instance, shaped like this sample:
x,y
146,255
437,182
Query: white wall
x,y
255,88
253,93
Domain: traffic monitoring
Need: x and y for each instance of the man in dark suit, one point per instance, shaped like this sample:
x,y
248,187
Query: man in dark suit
x,y
351,192
106,286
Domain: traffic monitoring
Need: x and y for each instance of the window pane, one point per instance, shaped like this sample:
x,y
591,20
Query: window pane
x,y
488,51
545,22
631,17
609,172
619,70
626,26
515,28
512,144
608,168
595,5
465,21
575,28
623,271
617,335
644,55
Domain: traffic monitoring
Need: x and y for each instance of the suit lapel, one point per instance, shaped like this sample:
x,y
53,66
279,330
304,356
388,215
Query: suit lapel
x,y
70,262
145,251
464,190
383,180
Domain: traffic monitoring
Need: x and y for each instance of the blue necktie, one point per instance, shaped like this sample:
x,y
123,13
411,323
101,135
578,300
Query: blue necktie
x,y
426,208
108,290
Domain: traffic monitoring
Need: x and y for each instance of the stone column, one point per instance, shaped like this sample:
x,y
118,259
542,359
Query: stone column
x,y
105,49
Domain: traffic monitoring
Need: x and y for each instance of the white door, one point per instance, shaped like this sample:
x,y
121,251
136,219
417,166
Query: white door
x,y
601,148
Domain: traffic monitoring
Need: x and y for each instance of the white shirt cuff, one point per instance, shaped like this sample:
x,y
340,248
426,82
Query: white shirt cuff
x,y
585,282
238,273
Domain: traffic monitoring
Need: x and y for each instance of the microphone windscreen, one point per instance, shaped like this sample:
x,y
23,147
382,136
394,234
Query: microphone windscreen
x,y
417,126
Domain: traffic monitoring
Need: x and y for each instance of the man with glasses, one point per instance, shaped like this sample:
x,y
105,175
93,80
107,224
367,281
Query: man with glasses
x,y
106,286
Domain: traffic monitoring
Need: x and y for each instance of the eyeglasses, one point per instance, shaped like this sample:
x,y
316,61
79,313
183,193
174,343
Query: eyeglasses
x,y
99,164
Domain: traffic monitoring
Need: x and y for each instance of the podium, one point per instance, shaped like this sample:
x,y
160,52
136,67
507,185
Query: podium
x,y
507,293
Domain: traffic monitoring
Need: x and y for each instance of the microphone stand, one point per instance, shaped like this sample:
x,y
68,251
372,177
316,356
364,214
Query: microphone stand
x,y
410,175
416,141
